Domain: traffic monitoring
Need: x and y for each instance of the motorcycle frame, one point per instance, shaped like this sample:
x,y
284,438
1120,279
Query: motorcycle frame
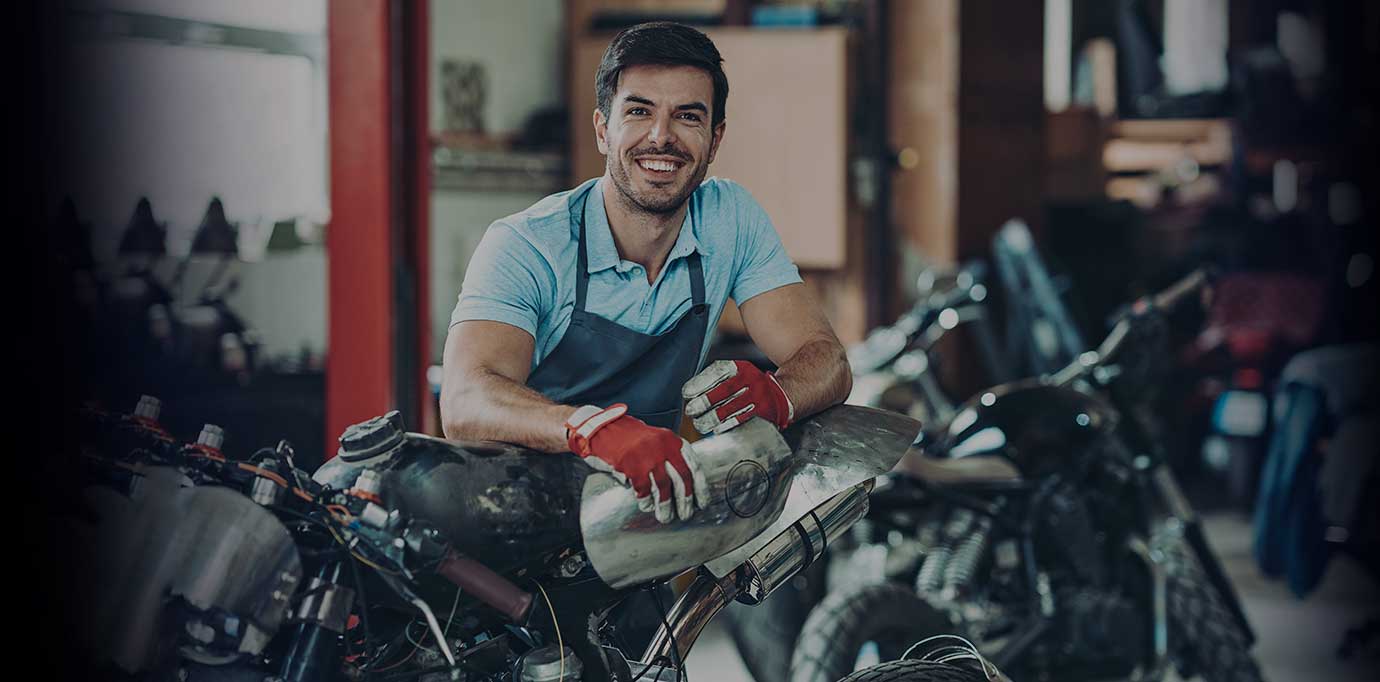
x,y
979,499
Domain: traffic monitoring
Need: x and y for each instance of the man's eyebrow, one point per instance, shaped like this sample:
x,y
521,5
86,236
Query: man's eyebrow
x,y
692,106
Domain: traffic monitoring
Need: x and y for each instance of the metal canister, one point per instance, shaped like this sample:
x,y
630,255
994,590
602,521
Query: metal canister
x,y
545,665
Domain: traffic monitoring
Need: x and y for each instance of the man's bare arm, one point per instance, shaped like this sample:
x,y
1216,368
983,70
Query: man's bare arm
x,y
788,325
484,394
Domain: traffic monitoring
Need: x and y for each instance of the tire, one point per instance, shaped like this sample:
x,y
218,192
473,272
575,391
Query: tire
x,y
1204,636
915,671
890,614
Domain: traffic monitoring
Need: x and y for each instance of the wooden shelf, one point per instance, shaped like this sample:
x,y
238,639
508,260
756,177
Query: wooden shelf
x,y
456,168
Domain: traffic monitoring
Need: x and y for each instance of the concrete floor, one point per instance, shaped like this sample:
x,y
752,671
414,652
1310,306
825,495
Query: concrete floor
x,y
1297,639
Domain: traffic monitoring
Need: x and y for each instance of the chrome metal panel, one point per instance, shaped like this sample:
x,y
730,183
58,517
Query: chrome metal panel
x,y
834,450
211,546
800,469
748,471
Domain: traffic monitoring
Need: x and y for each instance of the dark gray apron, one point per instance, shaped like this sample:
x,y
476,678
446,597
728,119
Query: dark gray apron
x,y
600,362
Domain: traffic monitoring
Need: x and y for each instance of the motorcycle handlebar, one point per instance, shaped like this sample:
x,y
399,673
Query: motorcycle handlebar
x,y
486,585
1171,297
1162,302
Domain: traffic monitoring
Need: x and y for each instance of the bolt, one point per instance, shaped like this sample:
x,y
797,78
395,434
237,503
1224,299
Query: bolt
x,y
211,436
148,407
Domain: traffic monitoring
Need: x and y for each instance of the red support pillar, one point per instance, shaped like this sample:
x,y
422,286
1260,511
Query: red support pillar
x,y
377,239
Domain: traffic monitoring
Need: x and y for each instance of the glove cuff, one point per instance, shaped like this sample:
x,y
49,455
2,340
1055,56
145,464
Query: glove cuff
x,y
581,426
789,417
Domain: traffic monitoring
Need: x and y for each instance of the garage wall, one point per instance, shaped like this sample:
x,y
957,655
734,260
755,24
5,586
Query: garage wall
x,y
519,44
182,123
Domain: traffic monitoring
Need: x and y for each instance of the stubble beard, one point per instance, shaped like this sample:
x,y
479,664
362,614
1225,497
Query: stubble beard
x,y
656,204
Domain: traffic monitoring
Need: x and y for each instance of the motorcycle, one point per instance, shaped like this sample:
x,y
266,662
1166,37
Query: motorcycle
x,y
1043,524
412,557
895,367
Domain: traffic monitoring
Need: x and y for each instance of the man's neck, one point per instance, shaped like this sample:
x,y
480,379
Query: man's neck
x,y
641,237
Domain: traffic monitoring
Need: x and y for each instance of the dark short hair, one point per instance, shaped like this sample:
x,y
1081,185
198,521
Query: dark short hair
x,y
665,43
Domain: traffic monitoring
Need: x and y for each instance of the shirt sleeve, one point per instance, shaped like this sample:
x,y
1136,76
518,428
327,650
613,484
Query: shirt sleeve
x,y
507,281
762,263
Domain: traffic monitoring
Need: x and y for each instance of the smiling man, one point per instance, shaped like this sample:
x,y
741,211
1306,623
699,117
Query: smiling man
x,y
583,321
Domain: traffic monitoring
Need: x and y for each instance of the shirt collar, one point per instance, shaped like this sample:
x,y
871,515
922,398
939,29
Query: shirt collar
x,y
602,254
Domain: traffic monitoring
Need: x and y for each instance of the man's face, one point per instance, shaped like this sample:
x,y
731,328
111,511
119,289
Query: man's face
x,y
657,140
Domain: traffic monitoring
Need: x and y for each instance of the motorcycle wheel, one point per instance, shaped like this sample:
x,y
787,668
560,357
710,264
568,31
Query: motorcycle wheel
x,y
890,616
915,671
1204,636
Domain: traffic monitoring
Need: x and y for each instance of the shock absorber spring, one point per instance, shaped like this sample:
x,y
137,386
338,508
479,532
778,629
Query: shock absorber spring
x,y
932,572
931,576
961,568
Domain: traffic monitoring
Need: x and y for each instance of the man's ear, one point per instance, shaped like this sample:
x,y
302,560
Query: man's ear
x,y
718,137
601,132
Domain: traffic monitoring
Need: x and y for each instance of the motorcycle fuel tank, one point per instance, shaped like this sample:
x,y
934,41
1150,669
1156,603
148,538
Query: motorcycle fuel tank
x,y
1027,428
508,507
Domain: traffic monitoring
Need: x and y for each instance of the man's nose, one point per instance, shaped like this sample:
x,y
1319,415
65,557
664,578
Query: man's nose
x,y
662,132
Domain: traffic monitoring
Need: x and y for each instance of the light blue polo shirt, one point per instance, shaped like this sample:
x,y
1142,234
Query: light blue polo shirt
x,y
523,272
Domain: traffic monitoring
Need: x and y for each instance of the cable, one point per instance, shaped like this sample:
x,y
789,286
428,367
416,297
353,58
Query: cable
x,y
681,672
560,641
407,631
340,512
279,509
451,618
270,475
411,652
357,555
364,604
435,628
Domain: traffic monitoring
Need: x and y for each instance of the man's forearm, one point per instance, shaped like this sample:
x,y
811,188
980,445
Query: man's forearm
x,y
489,406
816,376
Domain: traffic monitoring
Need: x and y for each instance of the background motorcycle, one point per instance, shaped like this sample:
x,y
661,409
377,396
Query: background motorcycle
x,y
411,557
1043,522
895,368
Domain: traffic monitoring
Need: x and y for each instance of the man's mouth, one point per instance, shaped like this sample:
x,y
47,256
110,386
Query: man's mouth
x,y
660,166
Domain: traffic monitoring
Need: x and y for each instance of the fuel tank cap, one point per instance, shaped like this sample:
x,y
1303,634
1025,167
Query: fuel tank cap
x,y
371,437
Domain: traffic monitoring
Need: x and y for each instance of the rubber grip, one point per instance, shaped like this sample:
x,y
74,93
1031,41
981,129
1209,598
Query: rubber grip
x,y
486,586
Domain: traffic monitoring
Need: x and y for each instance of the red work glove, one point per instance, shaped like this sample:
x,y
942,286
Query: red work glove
x,y
728,393
657,463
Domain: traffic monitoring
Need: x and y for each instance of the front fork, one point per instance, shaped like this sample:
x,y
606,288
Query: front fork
x,y
1159,610
1191,528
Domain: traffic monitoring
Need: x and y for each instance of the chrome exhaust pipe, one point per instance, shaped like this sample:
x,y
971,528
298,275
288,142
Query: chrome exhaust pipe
x,y
797,547
787,554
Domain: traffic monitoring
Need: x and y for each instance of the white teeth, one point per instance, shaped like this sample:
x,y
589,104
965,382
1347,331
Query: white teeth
x,y
657,165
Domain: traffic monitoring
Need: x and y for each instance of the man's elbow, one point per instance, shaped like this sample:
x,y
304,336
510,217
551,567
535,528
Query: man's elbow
x,y
845,377
458,419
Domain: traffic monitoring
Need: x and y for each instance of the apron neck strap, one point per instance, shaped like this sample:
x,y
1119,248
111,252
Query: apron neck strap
x,y
696,279
582,263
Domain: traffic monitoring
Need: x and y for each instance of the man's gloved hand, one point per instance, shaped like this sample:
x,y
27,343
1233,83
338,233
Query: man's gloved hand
x,y
728,392
656,462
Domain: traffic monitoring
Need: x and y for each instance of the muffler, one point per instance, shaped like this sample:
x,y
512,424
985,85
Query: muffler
x,y
795,548
791,551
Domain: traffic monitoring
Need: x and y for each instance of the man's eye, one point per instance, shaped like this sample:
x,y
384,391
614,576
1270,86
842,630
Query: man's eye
x,y
637,111
695,118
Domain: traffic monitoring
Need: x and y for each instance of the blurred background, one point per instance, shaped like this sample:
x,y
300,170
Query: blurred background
x,y
263,210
